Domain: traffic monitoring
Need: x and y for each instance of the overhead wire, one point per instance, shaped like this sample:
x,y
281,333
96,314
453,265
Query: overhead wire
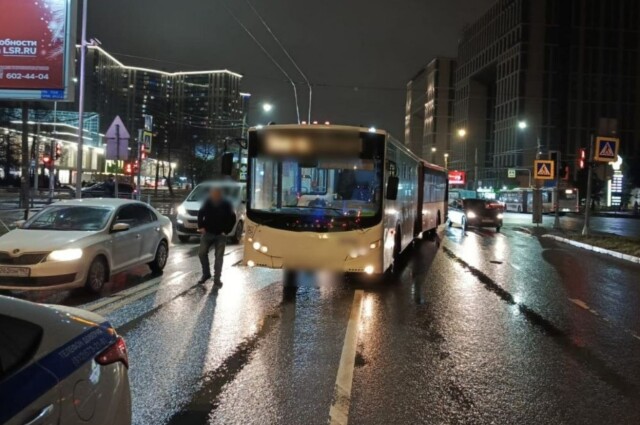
x,y
266,52
277,40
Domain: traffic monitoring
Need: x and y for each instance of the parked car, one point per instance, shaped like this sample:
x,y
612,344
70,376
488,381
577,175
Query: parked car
x,y
187,220
83,242
476,213
99,190
60,365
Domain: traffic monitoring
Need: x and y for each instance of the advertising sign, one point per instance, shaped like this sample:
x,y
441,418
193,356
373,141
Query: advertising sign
x,y
37,49
457,178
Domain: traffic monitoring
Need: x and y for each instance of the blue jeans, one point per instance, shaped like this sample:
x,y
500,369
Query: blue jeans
x,y
219,242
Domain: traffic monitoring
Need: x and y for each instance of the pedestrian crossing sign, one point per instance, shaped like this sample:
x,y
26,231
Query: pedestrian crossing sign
x,y
606,149
545,170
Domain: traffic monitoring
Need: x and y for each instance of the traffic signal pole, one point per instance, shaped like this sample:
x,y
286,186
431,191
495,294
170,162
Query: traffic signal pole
x,y
556,222
587,205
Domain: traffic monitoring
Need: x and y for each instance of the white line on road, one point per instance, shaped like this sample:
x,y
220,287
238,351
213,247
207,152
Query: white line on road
x,y
586,307
339,412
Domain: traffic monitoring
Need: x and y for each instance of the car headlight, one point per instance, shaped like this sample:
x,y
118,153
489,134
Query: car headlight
x,y
471,214
500,216
65,255
182,210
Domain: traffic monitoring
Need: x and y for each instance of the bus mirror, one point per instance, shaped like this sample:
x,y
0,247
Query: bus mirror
x,y
392,188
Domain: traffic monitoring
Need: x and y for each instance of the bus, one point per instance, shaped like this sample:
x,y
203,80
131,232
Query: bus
x,y
521,200
341,198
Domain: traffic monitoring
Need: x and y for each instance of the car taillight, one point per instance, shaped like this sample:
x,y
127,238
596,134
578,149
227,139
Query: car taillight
x,y
117,352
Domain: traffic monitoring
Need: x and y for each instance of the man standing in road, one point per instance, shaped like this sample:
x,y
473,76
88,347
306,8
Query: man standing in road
x,y
215,219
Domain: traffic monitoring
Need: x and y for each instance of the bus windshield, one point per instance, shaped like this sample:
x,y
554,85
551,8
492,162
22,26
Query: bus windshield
x,y
324,193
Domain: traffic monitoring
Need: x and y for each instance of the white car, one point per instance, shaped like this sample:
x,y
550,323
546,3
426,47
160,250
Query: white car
x,y
60,365
82,243
187,220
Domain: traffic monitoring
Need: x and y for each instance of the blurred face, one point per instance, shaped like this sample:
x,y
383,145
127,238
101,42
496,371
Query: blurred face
x,y
215,195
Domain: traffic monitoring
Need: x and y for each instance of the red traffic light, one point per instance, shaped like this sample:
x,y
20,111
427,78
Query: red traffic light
x,y
46,160
143,152
128,169
582,158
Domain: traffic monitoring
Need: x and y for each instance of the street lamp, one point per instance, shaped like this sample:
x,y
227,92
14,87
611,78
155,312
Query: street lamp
x,y
462,133
267,107
446,160
522,125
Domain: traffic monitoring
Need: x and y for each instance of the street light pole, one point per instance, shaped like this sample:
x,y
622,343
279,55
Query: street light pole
x,y
587,205
83,60
556,222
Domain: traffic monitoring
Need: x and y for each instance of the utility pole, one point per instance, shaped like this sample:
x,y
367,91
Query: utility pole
x,y
115,193
475,169
140,142
24,179
556,222
36,159
587,205
83,62
53,152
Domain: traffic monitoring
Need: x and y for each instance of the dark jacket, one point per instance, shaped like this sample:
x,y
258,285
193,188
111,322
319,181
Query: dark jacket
x,y
216,219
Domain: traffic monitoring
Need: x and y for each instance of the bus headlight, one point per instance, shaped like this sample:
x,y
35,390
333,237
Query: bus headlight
x,y
353,253
369,270
256,246
264,249
251,263
374,245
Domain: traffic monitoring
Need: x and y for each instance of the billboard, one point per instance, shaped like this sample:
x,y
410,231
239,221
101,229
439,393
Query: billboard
x,y
457,178
37,49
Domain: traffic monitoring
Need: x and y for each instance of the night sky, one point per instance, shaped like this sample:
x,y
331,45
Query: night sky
x,y
358,54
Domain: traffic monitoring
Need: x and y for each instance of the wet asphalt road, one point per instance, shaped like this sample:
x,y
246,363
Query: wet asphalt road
x,y
477,328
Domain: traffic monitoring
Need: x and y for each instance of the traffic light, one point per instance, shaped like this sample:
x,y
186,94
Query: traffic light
x,y
128,168
143,152
565,171
582,158
46,160
58,153
136,167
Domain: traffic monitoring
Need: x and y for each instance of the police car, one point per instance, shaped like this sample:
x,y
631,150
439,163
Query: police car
x,y
60,365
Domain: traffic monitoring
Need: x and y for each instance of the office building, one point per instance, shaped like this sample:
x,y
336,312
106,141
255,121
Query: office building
x,y
429,111
542,75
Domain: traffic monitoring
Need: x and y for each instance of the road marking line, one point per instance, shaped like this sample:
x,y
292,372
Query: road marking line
x,y
584,306
339,412
128,294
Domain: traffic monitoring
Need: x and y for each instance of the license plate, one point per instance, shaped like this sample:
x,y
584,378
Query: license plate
x,y
487,220
15,271
190,225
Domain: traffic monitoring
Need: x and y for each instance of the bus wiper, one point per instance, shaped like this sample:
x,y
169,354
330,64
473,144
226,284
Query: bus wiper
x,y
337,210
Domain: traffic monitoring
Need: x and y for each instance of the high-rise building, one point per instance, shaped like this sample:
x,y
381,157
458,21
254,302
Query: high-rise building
x,y
193,112
429,111
543,75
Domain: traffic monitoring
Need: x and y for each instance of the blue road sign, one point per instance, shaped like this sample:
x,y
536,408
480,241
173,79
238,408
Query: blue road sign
x,y
606,149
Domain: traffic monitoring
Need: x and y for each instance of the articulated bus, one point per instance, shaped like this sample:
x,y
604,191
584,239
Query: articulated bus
x,y
521,200
346,199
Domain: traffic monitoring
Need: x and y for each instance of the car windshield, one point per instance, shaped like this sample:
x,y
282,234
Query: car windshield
x,y
202,191
69,217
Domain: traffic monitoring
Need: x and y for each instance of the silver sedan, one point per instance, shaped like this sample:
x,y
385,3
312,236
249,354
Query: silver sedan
x,y
82,243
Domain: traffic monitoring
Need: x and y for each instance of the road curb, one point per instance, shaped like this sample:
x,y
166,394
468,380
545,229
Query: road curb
x,y
593,248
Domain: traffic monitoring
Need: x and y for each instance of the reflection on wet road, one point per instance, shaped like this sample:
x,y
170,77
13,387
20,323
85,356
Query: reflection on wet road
x,y
481,327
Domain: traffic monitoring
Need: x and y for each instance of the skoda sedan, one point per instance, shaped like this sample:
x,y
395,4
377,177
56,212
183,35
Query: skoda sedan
x,y
82,243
